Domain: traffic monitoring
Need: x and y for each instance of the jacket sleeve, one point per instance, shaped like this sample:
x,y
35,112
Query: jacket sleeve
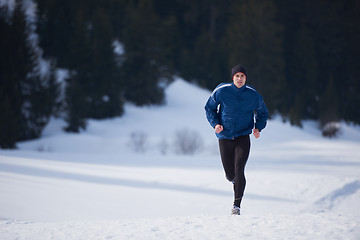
x,y
261,114
211,109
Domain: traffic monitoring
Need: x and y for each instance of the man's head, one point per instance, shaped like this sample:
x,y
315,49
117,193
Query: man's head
x,y
239,75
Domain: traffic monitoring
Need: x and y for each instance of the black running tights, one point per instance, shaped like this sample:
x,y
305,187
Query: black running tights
x,y
234,154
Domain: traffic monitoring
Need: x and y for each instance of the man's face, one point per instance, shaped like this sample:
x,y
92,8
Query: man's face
x,y
239,79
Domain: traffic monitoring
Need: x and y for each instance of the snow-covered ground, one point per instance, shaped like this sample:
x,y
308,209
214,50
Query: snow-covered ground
x,y
98,185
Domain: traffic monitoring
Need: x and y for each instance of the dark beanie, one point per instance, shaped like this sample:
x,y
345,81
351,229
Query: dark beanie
x,y
239,68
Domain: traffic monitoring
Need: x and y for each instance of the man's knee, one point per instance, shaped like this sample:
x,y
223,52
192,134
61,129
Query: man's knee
x,y
230,178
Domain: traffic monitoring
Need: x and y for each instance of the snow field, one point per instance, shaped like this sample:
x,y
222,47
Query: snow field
x,y
300,226
94,186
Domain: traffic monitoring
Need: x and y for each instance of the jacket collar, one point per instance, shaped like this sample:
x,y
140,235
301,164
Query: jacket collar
x,y
238,89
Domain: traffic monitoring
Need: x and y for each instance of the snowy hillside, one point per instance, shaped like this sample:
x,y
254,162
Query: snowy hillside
x,y
101,185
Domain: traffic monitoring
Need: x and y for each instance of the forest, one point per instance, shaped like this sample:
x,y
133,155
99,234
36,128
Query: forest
x,y
84,59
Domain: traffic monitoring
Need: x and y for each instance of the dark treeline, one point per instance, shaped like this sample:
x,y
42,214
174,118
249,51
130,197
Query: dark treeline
x,y
302,56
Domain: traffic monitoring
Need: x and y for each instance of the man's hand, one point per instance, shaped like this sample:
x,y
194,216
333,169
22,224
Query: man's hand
x,y
256,133
218,128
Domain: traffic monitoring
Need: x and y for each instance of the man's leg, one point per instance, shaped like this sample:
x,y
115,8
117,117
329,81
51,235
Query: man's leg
x,y
241,154
227,147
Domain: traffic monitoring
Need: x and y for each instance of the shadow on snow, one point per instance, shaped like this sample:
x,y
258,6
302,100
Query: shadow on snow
x,y
37,172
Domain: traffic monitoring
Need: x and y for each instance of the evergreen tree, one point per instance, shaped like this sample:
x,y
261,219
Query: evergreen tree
x,y
206,64
302,68
26,97
146,50
55,26
202,58
75,104
347,79
328,110
253,38
320,42
79,35
61,28
10,97
303,77
329,104
96,71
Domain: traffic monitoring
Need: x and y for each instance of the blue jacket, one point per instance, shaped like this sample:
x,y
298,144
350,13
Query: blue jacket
x,y
234,109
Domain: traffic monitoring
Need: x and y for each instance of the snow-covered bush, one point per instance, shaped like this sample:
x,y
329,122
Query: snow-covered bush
x,y
330,129
138,141
187,142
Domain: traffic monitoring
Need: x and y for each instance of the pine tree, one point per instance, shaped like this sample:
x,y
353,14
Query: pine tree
x,y
27,98
75,105
347,80
61,27
79,35
10,98
303,77
206,64
104,81
328,109
146,67
254,38
201,57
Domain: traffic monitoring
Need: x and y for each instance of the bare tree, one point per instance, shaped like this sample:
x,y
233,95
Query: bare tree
x,y
138,141
187,142
163,146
